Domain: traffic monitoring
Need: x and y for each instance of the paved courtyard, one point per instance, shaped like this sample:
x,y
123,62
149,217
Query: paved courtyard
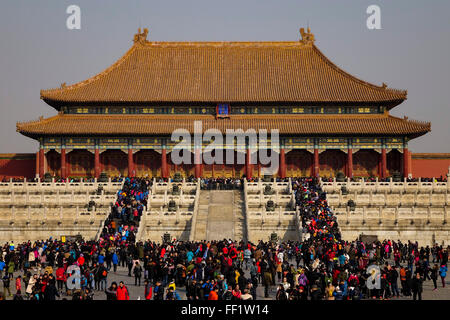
x,y
137,292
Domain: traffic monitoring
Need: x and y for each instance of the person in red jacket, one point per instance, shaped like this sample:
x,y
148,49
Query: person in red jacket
x,y
60,278
213,294
148,290
19,284
122,292
81,260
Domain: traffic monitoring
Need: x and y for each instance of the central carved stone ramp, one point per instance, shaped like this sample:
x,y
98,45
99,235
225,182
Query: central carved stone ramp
x,y
220,215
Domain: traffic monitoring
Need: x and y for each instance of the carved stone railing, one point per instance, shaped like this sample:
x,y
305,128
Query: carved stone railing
x,y
389,187
195,213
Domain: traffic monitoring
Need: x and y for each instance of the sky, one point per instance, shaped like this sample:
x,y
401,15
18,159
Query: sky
x,y
411,50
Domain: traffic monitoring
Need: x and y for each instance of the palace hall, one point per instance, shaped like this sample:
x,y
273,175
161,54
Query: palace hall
x,y
121,120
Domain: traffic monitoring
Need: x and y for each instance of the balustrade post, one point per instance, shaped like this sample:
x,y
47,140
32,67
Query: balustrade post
x,y
279,215
445,214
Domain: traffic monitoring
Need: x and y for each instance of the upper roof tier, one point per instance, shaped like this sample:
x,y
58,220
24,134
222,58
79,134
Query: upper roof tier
x,y
152,72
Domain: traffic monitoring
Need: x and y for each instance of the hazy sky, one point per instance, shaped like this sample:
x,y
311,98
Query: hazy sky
x,y
412,51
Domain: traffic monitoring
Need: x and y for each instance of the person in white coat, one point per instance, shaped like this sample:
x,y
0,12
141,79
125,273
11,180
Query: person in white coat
x,y
31,284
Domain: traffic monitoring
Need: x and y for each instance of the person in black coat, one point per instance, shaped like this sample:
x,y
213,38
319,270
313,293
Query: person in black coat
x,y
111,292
316,293
417,286
137,271
191,289
158,291
51,292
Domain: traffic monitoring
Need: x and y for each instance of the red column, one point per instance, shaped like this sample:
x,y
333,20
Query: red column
x,y
316,163
97,163
282,164
350,163
383,164
248,164
37,163
197,162
41,163
164,163
406,162
130,163
63,163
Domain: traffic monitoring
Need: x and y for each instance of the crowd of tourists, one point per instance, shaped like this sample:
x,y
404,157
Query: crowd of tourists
x,y
221,184
320,267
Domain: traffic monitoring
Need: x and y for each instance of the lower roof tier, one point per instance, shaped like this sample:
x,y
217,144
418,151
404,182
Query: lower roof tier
x,y
64,124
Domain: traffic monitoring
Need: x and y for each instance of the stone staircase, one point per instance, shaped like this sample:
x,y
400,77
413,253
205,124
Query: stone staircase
x,y
202,216
220,216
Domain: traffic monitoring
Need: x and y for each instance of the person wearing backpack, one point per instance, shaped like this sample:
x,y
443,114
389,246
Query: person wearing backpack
x,y
6,284
103,277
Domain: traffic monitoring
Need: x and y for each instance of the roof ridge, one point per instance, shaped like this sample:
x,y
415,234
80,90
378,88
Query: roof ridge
x,y
225,43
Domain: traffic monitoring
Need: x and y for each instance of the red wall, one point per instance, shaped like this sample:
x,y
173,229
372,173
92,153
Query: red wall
x,y
17,165
426,165
430,165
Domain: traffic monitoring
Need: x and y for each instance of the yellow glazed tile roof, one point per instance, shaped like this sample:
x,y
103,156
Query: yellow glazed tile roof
x,y
66,124
295,71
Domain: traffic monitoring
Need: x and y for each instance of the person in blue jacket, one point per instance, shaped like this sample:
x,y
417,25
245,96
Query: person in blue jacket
x,y
101,259
115,261
443,273
2,267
